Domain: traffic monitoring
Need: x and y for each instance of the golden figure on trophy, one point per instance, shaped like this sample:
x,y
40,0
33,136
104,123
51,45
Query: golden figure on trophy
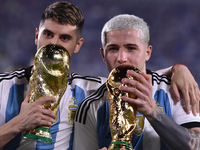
x,y
122,115
49,78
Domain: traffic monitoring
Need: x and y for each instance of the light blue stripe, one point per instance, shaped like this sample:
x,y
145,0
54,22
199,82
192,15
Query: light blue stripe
x,y
54,130
15,98
162,99
78,94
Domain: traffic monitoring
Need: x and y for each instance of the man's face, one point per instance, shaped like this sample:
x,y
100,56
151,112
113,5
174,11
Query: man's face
x,y
51,32
125,47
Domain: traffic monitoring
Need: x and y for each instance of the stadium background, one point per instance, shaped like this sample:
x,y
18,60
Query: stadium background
x,y
174,29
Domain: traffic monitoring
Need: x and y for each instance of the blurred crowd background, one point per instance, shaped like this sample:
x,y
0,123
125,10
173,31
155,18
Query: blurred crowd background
x,y
174,29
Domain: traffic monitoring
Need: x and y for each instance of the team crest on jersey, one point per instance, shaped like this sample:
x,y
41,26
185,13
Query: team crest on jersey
x,y
72,111
139,125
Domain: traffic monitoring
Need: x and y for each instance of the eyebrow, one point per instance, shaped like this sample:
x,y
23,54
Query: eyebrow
x,y
131,45
112,45
46,30
124,45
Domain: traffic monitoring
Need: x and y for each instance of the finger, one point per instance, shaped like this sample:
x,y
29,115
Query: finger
x,y
44,99
44,116
137,101
197,107
198,102
187,101
40,116
49,113
193,101
148,78
138,80
175,92
135,88
197,98
46,122
27,98
48,119
137,76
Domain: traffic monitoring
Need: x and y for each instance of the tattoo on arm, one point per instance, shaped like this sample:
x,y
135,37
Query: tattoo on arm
x,y
155,115
162,124
194,139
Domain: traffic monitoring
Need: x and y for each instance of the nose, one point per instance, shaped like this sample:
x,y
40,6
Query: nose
x,y
122,56
55,40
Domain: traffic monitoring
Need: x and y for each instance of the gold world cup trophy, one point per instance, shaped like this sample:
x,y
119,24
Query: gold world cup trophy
x,y
122,115
49,78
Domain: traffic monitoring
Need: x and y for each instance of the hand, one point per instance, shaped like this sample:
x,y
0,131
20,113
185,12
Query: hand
x,y
182,80
142,88
32,114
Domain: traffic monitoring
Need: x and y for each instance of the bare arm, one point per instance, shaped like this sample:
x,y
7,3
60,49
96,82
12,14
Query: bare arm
x,y
169,131
30,116
183,83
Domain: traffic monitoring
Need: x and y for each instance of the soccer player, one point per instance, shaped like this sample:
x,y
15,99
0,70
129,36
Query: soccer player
x,y
162,122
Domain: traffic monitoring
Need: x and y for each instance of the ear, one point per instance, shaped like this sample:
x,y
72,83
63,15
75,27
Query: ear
x,y
148,52
102,54
36,35
78,45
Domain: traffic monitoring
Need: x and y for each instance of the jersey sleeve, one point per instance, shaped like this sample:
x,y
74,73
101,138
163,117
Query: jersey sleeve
x,y
180,116
85,134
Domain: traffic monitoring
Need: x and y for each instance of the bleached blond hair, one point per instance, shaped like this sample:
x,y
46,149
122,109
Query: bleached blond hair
x,y
126,21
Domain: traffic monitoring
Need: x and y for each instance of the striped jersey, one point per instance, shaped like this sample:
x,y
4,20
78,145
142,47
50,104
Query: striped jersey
x,y
13,89
91,122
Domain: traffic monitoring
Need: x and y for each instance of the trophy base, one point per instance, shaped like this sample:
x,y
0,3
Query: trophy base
x,y
41,134
117,145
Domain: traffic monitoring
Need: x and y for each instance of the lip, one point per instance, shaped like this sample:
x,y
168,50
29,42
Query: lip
x,y
124,64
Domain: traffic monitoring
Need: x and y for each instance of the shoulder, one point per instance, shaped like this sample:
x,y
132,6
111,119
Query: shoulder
x,y
88,83
73,77
159,78
16,74
91,103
